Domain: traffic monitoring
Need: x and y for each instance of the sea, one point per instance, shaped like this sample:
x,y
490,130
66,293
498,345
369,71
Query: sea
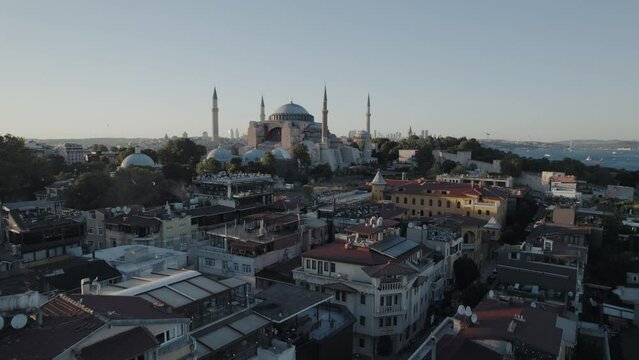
x,y
620,158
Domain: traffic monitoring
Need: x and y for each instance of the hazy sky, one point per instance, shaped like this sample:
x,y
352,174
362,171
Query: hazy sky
x,y
540,70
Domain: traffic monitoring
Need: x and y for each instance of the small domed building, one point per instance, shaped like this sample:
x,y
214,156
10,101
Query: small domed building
x,y
220,155
137,159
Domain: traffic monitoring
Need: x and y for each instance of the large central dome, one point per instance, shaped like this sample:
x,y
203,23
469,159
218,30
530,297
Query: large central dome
x,y
291,112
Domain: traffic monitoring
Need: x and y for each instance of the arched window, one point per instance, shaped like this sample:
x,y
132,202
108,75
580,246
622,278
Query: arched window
x,y
421,202
413,201
458,205
430,202
447,204
479,212
439,203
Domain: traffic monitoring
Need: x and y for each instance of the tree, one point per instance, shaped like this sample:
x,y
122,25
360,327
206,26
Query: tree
x,y
466,271
473,294
459,169
447,166
321,171
181,151
511,165
268,162
90,191
21,171
300,153
209,166
235,165
99,148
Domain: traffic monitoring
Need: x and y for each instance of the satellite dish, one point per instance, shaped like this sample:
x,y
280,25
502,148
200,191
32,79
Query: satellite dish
x,y
473,318
533,304
468,311
460,310
1,322
570,293
127,210
118,209
19,321
491,294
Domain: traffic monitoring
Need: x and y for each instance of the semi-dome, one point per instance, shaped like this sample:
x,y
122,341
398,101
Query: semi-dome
x,y
291,112
281,154
220,154
252,155
137,159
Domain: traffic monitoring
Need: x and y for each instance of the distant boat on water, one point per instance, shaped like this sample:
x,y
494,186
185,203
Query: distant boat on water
x,y
590,161
547,155
570,147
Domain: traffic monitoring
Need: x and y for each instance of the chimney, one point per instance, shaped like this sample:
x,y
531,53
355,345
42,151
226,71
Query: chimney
x,y
85,286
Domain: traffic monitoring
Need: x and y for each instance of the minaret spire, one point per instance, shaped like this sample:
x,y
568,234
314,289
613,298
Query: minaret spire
x,y
325,119
262,113
368,114
215,136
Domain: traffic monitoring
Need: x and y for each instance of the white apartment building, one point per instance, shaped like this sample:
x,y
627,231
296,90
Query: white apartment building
x,y
72,153
388,286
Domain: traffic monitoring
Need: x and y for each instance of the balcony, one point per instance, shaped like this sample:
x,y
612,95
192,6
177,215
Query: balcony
x,y
389,310
174,345
391,286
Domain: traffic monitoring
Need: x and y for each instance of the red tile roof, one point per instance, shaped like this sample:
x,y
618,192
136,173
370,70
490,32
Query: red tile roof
x,y
538,329
337,252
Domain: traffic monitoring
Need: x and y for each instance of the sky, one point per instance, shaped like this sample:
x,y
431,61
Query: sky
x,y
543,70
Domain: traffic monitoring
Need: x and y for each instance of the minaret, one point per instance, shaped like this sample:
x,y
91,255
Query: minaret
x,y
368,114
262,114
325,119
216,135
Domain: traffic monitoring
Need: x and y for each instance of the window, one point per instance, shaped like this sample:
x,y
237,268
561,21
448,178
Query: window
x,y
421,213
362,342
362,299
326,266
100,231
397,199
458,204
246,268
225,264
439,203
332,267
340,295
308,263
236,266
487,212
209,262
381,322
430,202
513,255
394,320
479,212
405,200
448,204
362,320
413,201
90,230
314,264
421,202
413,212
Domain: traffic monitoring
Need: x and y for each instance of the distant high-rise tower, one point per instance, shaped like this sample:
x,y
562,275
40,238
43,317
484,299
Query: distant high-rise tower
x,y
325,119
410,131
216,135
368,114
262,113
237,133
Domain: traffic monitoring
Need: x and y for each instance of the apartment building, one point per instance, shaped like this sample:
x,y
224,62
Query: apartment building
x,y
428,198
38,231
234,190
94,326
549,264
259,241
388,286
72,153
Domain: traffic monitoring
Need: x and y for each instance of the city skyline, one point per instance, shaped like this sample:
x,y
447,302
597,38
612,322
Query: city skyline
x,y
84,70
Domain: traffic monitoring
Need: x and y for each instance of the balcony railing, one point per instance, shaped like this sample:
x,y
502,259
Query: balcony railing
x,y
387,286
185,340
390,310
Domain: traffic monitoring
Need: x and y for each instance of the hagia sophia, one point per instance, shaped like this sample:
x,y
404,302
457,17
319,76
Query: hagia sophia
x,y
288,125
